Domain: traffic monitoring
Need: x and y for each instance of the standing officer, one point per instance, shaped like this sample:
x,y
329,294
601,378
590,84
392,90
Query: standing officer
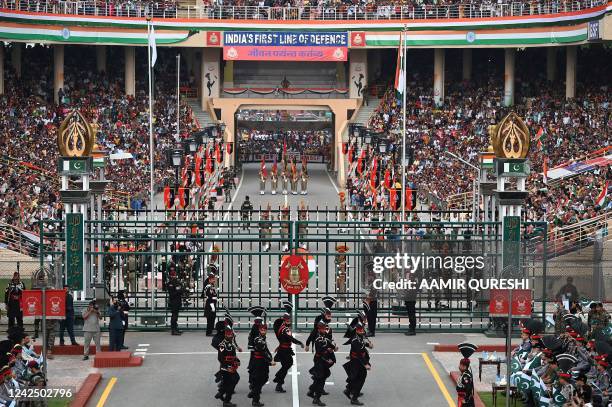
x,y
12,299
125,308
358,365
285,217
229,368
274,177
465,384
245,212
265,228
263,176
324,359
294,179
210,308
175,293
284,179
304,180
260,366
68,322
284,353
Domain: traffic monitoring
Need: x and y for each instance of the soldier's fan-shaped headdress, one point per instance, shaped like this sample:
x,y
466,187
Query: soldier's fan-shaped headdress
x,y
553,343
533,327
467,350
288,306
566,362
328,303
258,312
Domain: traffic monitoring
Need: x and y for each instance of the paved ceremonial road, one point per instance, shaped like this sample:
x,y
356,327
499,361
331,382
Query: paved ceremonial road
x,y
178,371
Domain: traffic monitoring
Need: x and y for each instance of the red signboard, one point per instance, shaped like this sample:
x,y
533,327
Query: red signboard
x,y
31,302
281,53
521,303
213,38
358,38
294,274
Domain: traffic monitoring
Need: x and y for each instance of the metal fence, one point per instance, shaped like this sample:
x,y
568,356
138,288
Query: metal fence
x,y
415,11
136,255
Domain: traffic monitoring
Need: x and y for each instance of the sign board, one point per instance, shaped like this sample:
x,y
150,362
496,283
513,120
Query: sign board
x,y
593,31
74,250
31,302
499,303
294,274
285,46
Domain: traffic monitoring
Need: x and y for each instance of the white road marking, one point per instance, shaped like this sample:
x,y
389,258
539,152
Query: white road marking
x,y
142,345
141,350
294,378
433,343
333,183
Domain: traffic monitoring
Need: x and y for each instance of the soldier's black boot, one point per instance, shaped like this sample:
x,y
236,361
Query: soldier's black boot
x,y
317,402
355,401
257,403
279,388
347,393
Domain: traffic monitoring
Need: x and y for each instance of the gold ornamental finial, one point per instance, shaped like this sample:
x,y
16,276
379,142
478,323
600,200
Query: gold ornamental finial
x,y
510,138
76,136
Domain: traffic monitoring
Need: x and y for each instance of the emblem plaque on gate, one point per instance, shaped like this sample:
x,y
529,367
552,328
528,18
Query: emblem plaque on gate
x,y
510,138
294,274
76,136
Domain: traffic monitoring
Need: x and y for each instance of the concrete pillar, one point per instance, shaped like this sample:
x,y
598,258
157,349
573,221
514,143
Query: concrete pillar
x,y
510,56
130,71
210,75
551,63
228,74
101,58
439,61
570,72
358,72
58,71
467,64
1,69
16,48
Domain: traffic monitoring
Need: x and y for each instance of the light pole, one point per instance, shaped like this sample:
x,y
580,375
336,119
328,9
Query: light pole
x,y
475,182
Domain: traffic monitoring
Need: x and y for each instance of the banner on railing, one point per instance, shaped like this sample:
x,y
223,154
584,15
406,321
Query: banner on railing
x,y
285,46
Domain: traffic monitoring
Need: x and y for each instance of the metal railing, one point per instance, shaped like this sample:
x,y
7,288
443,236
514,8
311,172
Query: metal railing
x,y
16,240
387,12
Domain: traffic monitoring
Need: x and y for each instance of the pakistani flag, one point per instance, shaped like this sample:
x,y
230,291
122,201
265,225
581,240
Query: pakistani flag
x,y
538,388
544,401
558,399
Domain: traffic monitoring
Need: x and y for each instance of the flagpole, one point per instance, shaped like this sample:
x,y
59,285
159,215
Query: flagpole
x,y
151,157
403,51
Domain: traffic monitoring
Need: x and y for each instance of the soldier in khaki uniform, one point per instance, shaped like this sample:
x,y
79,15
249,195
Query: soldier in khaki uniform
x,y
302,228
285,217
263,176
294,179
304,179
285,180
274,179
265,228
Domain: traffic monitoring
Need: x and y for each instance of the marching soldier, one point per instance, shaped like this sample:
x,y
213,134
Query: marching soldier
x,y
284,180
324,316
274,177
304,179
302,227
210,308
358,365
284,353
285,217
324,359
350,333
265,229
465,383
260,365
258,312
229,368
245,212
175,295
263,176
294,179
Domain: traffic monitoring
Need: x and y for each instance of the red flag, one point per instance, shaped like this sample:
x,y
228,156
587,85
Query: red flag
x,y
218,153
209,163
274,166
373,173
350,154
344,148
229,148
198,164
387,181
360,162
168,201
409,203
262,168
293,168
182,200
393,198
185,173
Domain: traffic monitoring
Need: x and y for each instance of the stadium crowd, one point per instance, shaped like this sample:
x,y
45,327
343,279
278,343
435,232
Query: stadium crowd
x,y
29,184
255,143
563,131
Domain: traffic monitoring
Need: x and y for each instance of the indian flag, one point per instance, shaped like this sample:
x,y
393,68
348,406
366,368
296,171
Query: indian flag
x,y
601,198
486,160
400,75
538,137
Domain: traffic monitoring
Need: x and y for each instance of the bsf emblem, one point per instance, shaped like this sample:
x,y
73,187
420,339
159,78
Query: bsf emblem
x,y
294,274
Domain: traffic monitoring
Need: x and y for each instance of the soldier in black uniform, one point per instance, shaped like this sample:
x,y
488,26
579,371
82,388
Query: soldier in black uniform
x,y
228,365
210,308
245,212
12,299
358,365
361,318
259,366
324,316
324,359
258,312
465,384
284,353
175,293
